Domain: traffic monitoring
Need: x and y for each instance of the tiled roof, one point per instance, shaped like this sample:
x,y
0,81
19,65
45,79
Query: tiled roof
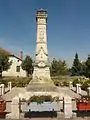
x,y
9,53
5,51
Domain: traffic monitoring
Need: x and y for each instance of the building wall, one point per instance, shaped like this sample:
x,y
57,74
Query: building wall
x,y
12,71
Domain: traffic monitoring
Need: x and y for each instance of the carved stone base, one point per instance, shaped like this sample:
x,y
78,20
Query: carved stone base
x,y
41,84
38,72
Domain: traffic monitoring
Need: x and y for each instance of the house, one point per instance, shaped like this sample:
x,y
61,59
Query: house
x,y
15,68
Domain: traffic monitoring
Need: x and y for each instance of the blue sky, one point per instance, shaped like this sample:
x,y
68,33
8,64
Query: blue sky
x,y
68,27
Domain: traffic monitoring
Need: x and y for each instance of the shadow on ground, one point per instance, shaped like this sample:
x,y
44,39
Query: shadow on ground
x,y
40,114
83,114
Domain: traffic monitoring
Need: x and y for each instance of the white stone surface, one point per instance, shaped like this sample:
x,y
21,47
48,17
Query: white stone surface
x,y
2,88
88,91
67,107
14,91
70,85
9,86
12,71
78,88
41,69
15,112
41,72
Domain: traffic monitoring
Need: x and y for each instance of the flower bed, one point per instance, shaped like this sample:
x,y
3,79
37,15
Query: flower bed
x,y
41,99
83,104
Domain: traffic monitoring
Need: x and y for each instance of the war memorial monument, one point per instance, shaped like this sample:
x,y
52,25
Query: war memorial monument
x,y
41,83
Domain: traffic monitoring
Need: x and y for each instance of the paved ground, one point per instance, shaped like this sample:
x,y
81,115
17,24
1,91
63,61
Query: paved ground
x,y
15,91
58,119
62,90
6,90
54,119
51,119
9,95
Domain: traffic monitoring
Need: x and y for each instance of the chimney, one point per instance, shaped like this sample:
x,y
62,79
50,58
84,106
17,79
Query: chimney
x,y
21,55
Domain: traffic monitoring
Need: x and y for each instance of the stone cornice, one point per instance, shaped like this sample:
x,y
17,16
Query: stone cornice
x,y
41,42
46,63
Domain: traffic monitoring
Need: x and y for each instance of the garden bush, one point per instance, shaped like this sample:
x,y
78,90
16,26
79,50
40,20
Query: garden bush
x,y
61,82
65,83
85,85
56,82
16,81
77,81
42,98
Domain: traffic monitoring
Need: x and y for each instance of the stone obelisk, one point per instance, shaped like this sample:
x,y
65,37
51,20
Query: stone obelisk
x,y
41,81
41,66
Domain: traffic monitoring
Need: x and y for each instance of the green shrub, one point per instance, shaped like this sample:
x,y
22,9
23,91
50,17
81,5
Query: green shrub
x,y
85,85
56,82
77,81
61,82
41,99
65,83
16,81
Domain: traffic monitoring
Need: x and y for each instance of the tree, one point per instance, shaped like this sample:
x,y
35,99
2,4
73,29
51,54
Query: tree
x,y
58,67
87,73
83,68
4,62
76,67
27,64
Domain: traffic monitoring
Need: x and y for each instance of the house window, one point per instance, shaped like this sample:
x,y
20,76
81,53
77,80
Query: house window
x,y
17,68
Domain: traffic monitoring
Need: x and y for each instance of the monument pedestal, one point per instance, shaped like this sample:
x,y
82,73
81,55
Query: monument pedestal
x,y
41,84
39,72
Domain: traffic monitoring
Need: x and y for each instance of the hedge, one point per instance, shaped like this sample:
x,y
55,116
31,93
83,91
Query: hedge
x,y
16,81
83,82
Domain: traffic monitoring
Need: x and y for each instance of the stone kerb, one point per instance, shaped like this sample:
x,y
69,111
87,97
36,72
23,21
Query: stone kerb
x,y
67,107
2,89
9,86
15,112
78,88
88,91
70,85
